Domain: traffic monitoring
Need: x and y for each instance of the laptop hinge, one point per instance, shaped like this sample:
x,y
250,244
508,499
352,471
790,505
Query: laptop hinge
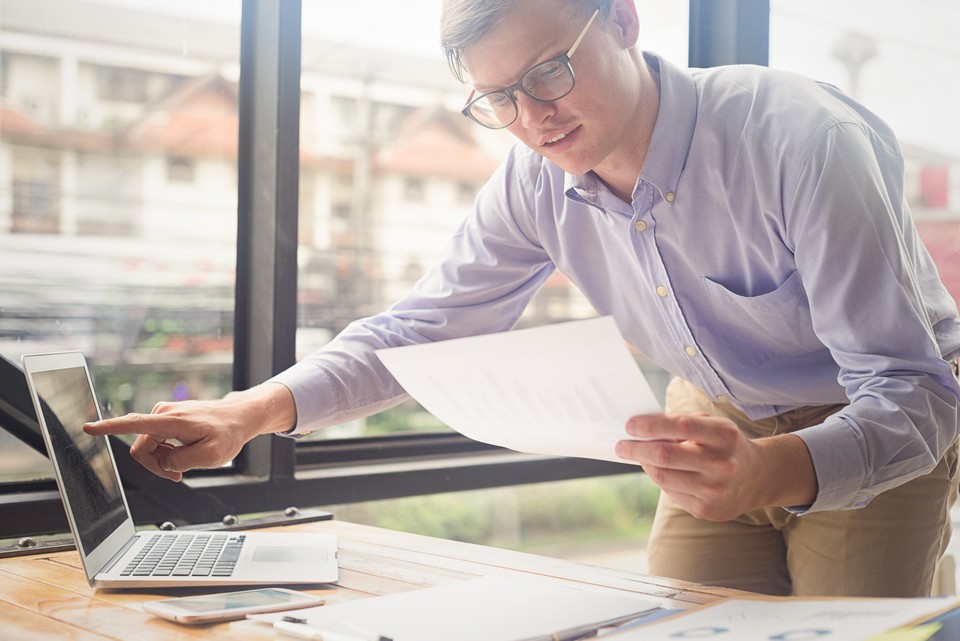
x,y
108,566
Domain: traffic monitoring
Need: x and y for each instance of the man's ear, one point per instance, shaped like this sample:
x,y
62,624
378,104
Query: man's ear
x,y
626,23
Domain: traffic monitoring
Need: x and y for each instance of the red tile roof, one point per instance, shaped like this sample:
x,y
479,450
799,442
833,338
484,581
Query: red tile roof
x,y
432,142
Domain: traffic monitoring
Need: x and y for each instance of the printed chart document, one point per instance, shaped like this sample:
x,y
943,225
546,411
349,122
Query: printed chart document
x,y
791,620
565,389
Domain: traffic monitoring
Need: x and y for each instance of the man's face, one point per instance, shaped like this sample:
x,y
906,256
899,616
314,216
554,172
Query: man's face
x,y
581,130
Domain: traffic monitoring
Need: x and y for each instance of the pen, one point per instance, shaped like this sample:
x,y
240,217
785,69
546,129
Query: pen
x,y
588,630
302,629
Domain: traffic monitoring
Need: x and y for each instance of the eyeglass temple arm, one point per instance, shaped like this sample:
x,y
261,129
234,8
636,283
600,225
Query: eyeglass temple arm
x,y
576,44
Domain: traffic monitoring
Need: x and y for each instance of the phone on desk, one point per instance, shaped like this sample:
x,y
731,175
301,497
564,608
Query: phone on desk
x,y
226,606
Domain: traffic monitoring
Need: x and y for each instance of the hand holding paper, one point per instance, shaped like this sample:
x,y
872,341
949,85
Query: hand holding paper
x,y
566,389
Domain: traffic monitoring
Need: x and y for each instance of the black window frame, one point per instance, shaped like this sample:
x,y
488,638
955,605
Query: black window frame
x,y
272,473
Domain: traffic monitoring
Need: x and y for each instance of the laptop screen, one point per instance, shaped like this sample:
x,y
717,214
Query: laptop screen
x,y
89,479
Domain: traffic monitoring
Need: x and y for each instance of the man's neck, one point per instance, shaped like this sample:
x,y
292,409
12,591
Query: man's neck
x,y
621,170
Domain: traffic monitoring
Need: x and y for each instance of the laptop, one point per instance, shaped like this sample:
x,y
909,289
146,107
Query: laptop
x,y
114,554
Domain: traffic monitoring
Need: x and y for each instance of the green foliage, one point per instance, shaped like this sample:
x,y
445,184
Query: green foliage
x,y
466,518
603,510
406,417
608,506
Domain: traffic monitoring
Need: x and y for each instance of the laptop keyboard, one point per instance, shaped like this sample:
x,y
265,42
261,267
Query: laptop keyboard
x,y
185,554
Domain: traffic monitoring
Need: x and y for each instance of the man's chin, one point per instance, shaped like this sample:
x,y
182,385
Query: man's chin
x,y
570,167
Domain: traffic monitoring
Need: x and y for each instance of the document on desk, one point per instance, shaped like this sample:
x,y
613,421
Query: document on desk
x,y
477,609
791,619
565,389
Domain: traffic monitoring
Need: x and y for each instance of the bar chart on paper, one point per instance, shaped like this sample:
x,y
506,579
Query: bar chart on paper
x,y
774,619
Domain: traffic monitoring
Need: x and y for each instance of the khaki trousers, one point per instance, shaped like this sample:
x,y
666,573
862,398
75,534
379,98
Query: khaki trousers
x,y
888,548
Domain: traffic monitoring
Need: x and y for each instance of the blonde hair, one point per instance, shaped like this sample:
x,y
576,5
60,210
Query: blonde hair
x,y
466,22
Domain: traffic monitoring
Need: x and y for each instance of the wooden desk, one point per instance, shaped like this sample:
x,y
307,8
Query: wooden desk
x,y
45,596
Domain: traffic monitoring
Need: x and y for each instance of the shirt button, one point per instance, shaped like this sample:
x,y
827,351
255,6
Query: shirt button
x,y
662,291
669,196
722,399
640,226
690,350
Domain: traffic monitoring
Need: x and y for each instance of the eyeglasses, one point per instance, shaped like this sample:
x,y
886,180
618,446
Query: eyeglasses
x,y
548,81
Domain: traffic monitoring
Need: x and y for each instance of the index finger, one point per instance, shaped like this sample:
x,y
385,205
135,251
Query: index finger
x,y
158,426
677,427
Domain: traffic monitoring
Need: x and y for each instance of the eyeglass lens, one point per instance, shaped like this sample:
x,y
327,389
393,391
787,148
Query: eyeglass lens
x,y
547,81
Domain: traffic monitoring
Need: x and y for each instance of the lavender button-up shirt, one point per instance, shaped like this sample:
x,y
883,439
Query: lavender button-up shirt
x,y
767,256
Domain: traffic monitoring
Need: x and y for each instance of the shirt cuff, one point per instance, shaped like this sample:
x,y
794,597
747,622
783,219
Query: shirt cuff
x,y
312,396
839,459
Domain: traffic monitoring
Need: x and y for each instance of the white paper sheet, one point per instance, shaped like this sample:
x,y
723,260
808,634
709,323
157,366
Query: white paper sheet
x,y
478,609
790,620
565,389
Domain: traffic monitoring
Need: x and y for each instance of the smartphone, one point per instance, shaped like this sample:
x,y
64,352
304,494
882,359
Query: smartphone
x,y
226,606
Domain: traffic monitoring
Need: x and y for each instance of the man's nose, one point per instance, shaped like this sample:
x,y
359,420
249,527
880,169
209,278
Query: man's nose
x,y
532,112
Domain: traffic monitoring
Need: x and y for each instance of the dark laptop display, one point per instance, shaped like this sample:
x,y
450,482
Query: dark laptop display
x,y
89,480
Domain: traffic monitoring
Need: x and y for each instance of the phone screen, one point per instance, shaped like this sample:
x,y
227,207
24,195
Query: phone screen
x,y
231,600
227,605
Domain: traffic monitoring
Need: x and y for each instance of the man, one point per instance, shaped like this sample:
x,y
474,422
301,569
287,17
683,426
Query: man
x,y
747,229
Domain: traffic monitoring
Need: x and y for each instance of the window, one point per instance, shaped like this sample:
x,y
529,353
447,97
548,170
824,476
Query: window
x,y
180,169
35,182
121,85
109,196
31,99
96,253
664,29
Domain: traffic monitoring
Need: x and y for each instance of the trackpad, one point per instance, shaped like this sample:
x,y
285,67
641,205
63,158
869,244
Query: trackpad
x,y
280,554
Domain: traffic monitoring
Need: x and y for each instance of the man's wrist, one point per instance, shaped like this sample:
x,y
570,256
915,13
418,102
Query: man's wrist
x,y
271,407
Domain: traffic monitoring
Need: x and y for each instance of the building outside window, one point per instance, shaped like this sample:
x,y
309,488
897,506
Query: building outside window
x,y
107,113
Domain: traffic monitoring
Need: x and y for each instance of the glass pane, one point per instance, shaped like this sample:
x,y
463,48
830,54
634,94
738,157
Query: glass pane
x,y
118,143
390,168
601,521
901,65
665,29
21,463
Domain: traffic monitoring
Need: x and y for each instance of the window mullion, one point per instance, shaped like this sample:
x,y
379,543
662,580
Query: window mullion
x,y
268,178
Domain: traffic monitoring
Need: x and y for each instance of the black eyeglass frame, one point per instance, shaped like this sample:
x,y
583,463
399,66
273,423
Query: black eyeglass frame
x,y
563,59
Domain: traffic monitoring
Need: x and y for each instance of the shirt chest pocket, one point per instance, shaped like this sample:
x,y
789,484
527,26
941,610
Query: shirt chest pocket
x,y
756,329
